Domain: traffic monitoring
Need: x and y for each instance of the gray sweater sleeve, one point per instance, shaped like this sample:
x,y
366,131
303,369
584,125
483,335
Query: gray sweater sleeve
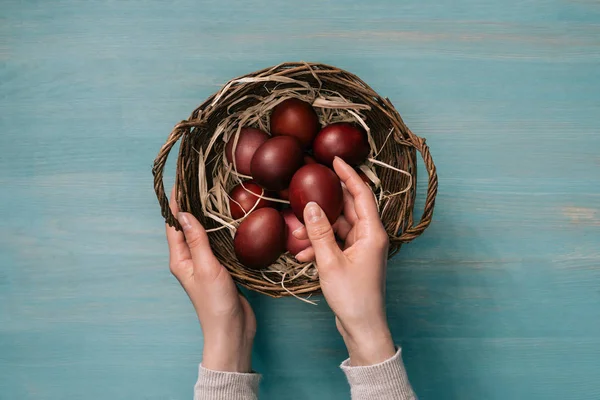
x,y
385,381
217,385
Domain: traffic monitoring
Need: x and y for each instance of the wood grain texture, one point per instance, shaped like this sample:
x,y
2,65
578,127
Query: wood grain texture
x,y
499,299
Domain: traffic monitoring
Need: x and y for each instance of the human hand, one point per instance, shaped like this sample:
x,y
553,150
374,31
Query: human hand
x,y
353,279
227,320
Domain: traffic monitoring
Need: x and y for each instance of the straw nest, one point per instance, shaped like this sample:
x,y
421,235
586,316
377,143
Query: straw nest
x,y
204,177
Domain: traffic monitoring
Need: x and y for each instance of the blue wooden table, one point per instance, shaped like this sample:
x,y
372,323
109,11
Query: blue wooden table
x,y
500,299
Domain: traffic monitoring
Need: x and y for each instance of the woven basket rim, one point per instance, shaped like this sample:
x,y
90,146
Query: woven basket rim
x,y
203,117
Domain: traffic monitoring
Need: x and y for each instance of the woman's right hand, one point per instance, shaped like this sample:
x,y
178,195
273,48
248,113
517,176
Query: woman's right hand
x,y
353,279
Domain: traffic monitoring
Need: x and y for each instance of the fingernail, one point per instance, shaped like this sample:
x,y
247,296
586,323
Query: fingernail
x,y
297,232
300,255
313,211
184,221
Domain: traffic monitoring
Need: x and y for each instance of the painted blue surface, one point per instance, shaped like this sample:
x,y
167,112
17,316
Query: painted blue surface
x,y
500,299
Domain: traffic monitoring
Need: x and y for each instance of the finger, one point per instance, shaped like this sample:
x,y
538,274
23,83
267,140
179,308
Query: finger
x,y
320,234
342,227
364,203
349,211
178,249
300,233
196,238
306,255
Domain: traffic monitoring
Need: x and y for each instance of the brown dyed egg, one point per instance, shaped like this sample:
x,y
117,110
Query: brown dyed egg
x,y
284,194
260,238
249,140
276,161
309,159
297,118
344,140
244,196
316,182
293,245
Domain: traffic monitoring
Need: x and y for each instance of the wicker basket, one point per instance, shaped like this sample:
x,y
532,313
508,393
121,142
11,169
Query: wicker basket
x,y
201,153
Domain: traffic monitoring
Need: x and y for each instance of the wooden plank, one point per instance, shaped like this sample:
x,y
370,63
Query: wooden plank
x,y
499,299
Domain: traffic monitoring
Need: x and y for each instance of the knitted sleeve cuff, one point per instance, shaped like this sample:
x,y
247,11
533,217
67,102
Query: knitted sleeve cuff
x,y
386,380
217,385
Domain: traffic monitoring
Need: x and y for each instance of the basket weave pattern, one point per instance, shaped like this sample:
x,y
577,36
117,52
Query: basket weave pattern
x,y
196,132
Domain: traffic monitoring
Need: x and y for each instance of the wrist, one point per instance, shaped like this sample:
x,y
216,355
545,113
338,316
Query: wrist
x,y
225,357
369,345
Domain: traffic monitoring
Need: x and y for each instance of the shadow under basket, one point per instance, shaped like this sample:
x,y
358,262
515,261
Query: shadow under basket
x,y
203,177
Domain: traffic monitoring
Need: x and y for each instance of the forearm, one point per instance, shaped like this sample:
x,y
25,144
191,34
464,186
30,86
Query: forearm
x,y
384,381
218,385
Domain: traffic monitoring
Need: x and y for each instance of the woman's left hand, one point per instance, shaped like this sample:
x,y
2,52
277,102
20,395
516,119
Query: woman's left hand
x,y
227,320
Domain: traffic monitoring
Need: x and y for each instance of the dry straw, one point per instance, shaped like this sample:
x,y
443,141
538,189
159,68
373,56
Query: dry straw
x,y
204,177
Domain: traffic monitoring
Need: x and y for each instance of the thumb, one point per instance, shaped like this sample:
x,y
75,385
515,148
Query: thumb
x,y
205,262
320,234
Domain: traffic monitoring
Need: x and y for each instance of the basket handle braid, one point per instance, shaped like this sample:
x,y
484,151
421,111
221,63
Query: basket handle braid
x,y
159,167
432,187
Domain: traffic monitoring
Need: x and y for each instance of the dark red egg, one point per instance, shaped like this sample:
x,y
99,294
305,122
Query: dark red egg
x,y
249,140
244,196
293,245
284,194
260,238
276,161
308,159
344,140
297,118
316,182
